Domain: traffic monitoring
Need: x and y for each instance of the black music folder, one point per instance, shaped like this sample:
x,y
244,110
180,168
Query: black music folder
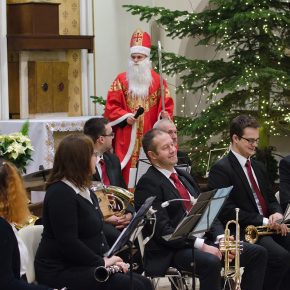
x,y
136,224
202,214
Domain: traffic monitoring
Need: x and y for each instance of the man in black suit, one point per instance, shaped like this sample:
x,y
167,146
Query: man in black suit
x,y
252,194
166,183
284,171
108,171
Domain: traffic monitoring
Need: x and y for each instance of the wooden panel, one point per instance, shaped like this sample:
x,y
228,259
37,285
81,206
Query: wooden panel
x,y
47,87
33,18
42,42
40,87
44,87
32,87
13,89
60,86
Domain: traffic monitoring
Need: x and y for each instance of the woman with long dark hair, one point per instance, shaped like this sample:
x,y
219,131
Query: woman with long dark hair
x,y
73,242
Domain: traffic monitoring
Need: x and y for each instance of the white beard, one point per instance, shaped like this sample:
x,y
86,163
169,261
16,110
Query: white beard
x,y
139,78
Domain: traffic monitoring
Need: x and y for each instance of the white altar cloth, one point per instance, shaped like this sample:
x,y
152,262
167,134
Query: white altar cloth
x,y
41,136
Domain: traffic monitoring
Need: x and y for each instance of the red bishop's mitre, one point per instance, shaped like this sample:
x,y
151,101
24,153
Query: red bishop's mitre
x,y
140,42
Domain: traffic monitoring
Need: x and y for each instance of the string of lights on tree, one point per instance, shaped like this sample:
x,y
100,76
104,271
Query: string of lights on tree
x,y
249,74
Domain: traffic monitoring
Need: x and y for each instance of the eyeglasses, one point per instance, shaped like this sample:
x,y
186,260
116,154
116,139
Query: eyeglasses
x,y
251,140
109,135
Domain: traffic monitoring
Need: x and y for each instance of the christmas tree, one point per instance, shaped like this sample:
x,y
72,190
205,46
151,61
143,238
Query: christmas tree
x,y
253,77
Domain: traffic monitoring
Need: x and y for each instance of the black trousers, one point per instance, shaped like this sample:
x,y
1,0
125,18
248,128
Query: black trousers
x,y
278,267
208,267
83,278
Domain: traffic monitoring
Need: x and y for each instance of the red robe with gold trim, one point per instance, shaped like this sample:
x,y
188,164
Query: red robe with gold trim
x,y
119,103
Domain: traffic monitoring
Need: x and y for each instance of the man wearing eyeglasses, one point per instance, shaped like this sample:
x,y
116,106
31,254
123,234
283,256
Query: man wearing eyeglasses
x,y
108,170
138,87
253,195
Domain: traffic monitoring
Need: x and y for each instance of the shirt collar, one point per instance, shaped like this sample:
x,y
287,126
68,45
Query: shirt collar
x,y
242,160
84,193
165,172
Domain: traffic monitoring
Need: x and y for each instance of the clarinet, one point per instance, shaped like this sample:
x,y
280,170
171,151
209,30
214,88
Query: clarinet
x,y
102,273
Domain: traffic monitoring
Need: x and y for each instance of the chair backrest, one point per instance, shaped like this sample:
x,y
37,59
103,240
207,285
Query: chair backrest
x,y
31,236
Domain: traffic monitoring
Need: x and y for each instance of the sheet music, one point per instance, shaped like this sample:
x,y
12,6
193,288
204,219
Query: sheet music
x,y
130,231
212,210
202,214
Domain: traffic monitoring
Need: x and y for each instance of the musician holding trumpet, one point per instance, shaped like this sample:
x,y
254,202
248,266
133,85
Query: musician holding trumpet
x,y
71,251
167,183
252,194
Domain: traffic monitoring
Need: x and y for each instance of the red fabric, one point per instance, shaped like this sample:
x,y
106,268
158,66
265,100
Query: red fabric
x,y
256,189
140,38
120,103
105,177
182,191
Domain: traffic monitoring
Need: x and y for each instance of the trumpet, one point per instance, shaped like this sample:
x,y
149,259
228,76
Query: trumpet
x,y
102,273
253,233
226,247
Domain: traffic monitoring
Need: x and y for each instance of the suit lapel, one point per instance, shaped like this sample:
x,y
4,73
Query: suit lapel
x,y
236,166
188,182
165,182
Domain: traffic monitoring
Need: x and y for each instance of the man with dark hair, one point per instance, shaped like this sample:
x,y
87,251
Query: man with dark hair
x,y
165,182
108,170
284,172
252,194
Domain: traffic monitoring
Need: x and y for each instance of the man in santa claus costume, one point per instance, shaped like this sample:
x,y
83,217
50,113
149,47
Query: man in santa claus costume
x,y
131,91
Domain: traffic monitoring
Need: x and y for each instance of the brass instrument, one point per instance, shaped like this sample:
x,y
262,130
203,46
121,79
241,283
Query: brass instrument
x,y
113,200
30,222
253,233
227,246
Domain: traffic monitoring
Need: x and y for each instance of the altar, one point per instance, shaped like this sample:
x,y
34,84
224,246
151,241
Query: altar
x,y
42,133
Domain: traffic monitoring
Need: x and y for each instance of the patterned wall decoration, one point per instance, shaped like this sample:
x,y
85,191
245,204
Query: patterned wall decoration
x,y
69,24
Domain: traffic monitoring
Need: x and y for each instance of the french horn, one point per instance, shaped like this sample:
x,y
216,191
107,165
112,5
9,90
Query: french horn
x,y
113,200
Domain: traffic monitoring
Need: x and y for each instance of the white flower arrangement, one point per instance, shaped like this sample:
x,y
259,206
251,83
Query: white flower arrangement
x,y
17,148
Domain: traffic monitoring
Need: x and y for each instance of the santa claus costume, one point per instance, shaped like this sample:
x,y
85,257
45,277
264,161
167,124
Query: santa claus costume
x,y
138,87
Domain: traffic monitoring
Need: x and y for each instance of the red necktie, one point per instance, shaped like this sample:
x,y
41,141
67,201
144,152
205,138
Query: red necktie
x,y
182,191
105,177
256,189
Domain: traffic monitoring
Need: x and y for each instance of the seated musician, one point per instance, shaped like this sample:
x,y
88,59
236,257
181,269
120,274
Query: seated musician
x,y
166,182
13,209
73,242
108,170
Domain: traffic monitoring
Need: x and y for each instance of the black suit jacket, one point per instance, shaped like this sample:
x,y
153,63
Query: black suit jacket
x,y
10,261
227,172
284,170
114,171
158,252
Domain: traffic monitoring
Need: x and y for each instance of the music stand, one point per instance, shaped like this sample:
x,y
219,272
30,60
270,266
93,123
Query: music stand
x,y
200,218
137,221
